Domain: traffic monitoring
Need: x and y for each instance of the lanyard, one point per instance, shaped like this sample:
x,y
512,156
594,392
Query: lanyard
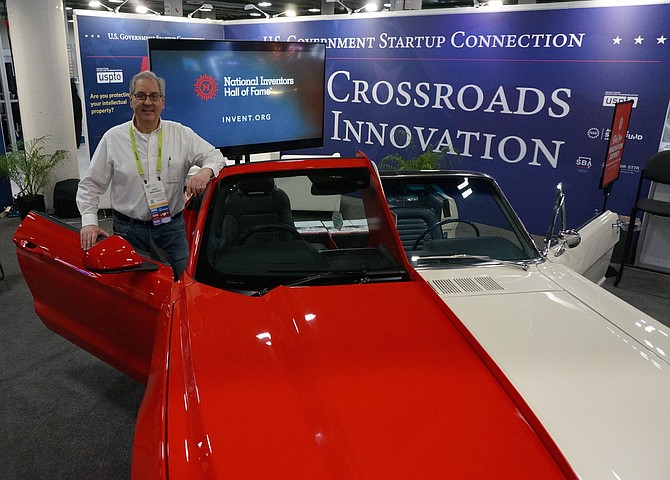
x,y
159,164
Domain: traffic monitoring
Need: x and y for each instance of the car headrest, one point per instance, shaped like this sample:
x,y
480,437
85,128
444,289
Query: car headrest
x,y
256,185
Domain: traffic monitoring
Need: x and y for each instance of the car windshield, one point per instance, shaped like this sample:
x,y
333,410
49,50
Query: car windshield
x,y
314,227
454,218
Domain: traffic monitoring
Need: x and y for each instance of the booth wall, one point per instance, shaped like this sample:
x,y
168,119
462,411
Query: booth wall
x,y
111,48
523,94
526,95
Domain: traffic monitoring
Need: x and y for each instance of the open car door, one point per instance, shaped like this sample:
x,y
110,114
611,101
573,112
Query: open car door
x,y
106,301
588,250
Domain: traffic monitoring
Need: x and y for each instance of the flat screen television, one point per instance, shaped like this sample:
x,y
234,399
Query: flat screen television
x,y
244,97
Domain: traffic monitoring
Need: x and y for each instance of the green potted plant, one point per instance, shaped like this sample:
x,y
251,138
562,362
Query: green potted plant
x,y
428,159
29,166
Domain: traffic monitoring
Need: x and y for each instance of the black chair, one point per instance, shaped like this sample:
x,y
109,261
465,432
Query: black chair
x,y
656,170
411,222
255,203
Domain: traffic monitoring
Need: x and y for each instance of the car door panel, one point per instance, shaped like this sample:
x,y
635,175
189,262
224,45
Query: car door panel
x,y
592,256
111,315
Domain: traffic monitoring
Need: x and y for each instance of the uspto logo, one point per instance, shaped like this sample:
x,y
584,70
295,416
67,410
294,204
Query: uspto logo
x,y
610,99
205,87
593,133
106,75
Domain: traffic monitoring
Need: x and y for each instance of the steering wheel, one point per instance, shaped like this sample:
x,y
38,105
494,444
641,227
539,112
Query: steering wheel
x,y
444,222
267,228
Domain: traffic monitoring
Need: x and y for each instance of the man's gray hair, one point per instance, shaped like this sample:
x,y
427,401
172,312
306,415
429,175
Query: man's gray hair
x,y
149,75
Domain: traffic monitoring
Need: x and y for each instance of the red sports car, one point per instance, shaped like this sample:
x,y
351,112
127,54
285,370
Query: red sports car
x,y
300,343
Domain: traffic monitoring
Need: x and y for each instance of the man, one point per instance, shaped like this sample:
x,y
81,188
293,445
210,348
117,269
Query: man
x,y
146,161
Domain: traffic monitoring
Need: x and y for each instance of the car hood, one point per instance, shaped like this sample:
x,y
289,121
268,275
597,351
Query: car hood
x,y
339,382
592,368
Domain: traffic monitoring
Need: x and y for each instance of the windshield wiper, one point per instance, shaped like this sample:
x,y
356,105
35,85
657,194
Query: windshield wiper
x,y
366,276
361,276
525,265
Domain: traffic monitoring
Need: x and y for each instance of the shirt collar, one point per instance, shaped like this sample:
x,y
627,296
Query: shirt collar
x,y
132,122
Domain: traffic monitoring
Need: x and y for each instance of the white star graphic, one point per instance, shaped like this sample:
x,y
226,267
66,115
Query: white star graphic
x,y
639,40
617,40
661,39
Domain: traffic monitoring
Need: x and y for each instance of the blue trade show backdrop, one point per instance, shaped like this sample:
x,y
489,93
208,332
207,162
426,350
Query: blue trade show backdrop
x,y
112,48
523,94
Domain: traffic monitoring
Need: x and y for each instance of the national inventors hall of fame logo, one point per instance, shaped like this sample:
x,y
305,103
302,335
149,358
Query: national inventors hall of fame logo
x,y
205,87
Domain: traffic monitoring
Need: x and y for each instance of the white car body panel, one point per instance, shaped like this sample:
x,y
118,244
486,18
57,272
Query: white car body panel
x,y
593,368
591,258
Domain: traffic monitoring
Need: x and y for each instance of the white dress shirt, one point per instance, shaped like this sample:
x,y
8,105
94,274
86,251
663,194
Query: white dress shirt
x,y
114,164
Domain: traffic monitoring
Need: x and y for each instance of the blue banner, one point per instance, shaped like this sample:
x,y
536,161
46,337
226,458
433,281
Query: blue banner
x,y
113,48
524,95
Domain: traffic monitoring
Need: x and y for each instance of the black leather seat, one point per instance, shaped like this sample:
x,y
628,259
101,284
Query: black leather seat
x,y
253,203
411,222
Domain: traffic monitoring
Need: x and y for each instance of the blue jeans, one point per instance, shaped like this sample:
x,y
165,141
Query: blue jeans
x,y
170,237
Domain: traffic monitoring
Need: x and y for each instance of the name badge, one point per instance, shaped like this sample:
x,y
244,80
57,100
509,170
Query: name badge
x,y
158,204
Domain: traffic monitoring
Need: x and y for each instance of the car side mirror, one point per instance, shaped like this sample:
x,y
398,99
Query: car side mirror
x,y
112,255
566,239
571,238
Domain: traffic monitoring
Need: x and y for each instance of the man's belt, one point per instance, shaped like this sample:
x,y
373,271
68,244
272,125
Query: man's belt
x,y
134,221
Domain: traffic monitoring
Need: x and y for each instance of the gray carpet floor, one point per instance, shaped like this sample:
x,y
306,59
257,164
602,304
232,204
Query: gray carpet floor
x,y
63,413
66,415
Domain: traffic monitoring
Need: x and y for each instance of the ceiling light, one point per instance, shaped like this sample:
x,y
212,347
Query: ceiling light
x,y
368,7
264,4
251,6
205,7
287,13
142,9
97,4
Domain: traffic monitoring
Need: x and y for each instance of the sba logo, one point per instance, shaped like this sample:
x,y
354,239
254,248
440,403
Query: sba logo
x,y
109,76
584,163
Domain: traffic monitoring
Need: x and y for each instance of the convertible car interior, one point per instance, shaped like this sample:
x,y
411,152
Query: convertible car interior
x,y
455,217
254,240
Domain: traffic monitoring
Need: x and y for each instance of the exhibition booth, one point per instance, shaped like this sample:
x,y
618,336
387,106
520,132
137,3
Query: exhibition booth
x,y
525,94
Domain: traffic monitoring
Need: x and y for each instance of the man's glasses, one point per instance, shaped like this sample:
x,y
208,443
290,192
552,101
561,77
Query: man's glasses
x,y
141,97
